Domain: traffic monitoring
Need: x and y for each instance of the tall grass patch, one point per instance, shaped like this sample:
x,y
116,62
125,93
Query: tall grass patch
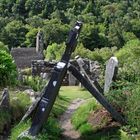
x,y
80,117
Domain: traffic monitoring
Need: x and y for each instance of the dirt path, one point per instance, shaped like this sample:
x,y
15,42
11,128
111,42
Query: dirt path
x,y
65,121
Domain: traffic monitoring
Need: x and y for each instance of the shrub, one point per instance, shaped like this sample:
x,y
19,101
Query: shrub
x,y
103,54
133,108
81,51
19,105
86,129
55,51
129,57
3,47
36,83
126,99
83,111
130,52
8,71
51,130
130,71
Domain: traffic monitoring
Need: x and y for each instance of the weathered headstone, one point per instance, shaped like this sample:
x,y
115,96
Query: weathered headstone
x,y
83,68
20,76
94,70
72,80
5,101
110,73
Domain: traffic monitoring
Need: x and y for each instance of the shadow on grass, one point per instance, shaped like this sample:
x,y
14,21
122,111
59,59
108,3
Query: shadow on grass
x,y
60,105
110,133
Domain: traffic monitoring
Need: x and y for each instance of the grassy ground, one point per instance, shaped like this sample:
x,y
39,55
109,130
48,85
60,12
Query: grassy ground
x,y
51,129
73,92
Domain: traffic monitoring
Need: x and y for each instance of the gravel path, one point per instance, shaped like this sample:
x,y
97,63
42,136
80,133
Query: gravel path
x,y
65,121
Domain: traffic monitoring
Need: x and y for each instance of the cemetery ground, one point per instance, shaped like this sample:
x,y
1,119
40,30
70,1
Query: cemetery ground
x,y
88,120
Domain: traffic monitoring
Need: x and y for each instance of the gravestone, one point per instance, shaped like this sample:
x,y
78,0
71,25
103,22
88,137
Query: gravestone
x,y
72,79
94,70
83,67
110,73
5,101
20,76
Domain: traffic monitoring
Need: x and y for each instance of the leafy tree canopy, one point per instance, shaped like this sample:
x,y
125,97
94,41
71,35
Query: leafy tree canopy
x,y
107,23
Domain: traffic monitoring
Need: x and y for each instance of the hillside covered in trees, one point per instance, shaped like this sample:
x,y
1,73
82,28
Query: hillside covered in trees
x,y
107,23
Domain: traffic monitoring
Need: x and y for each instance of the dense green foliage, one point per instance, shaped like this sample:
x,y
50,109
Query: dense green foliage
x,y
36,83
129,57
3,47
7,69
106,23
126,99
51,129
19,102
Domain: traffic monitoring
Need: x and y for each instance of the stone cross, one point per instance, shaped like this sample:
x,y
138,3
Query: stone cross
x,y
110,73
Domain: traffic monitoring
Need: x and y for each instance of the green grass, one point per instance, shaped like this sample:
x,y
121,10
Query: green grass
x,y
60,105
16,131
73,92
18,105
83,111
51,130
89,132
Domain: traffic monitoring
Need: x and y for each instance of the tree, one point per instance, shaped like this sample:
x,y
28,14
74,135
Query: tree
x,y
35,21
3,47
136,27
55,51
55,32
31,37
14,34
6,8
19,8
35,7
90,37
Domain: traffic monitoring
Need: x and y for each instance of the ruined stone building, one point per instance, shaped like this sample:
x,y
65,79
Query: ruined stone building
x,y
23,57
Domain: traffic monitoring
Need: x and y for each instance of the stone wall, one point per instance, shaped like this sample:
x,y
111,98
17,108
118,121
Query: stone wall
x,y
44,69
